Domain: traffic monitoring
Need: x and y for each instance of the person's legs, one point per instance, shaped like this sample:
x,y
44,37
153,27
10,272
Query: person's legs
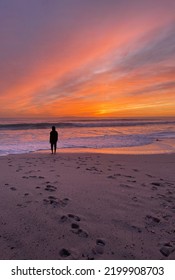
x,y
55,147
51,147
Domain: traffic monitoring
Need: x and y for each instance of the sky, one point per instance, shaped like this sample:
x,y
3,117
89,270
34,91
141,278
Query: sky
x,y
87,58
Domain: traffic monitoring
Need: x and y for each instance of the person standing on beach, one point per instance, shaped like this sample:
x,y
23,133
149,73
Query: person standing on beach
x,y
53,139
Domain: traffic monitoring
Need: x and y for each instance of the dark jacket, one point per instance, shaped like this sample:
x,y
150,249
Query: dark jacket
x,y
53,137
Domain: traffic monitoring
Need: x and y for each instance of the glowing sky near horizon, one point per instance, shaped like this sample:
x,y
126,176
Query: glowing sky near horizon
x,y
87,58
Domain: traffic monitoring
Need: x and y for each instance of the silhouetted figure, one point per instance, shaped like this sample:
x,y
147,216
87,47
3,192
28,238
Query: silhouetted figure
x,y
53,139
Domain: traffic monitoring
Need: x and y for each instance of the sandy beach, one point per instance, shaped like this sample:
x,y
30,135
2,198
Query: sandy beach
x,y
87,206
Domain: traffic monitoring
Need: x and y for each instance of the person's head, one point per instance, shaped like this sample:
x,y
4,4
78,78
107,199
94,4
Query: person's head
x,y
53,128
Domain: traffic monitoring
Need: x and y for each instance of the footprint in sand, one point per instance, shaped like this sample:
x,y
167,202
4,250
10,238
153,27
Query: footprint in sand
x,y
54,201
25,177
74,217
131,181
75,227
51,200
134,198
154,188
129,176
50,188
64,202
100,242
64,253
99,247
126,186
167,217
149,175
111,177
117,174
63,219
21,206
69,218
80,232
156,184
13,188
167,249
151,220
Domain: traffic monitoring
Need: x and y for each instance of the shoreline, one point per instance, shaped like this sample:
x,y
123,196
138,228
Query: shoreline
x,y
87,206
159,147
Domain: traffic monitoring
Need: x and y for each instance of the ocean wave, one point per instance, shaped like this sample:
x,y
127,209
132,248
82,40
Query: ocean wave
x,y
84,124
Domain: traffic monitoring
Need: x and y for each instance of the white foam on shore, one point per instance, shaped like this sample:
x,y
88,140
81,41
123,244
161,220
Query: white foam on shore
x,y
159,147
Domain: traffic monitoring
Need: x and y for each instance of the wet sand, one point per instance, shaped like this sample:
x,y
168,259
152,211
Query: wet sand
x,y
87,206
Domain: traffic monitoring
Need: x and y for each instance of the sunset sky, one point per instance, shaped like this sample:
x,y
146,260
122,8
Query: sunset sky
x,y
87,58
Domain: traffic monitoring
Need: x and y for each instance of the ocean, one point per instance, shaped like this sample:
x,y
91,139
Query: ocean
x,y
127,135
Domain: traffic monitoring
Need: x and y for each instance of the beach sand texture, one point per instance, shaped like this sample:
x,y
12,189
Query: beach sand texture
x,y
87,206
